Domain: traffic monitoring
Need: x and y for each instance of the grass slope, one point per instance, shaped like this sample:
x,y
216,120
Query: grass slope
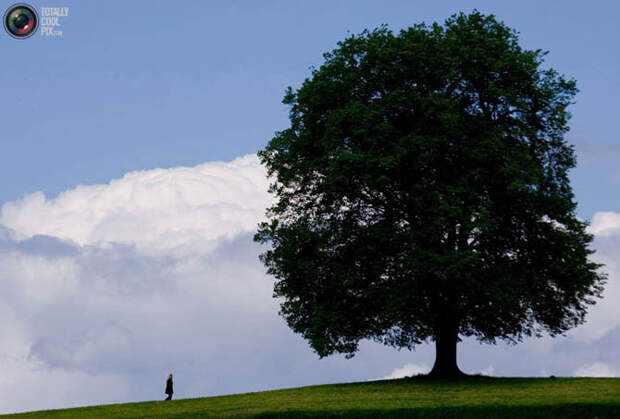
x,y
475,397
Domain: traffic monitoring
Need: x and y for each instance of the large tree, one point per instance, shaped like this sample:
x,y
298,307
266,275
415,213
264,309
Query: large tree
x,y
422,194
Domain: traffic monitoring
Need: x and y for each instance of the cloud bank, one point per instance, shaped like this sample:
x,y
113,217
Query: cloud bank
x,y
160,209
108,288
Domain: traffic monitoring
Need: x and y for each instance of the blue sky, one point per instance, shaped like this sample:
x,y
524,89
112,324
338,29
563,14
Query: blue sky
x,y
149,267
136,85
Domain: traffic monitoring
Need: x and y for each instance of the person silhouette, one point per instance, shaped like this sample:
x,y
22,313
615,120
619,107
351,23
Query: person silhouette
x,y
169,390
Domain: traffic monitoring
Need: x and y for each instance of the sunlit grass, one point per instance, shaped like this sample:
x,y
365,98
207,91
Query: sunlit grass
x,y
475,397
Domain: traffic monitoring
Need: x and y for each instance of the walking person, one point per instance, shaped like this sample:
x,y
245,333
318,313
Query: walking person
x,y
169,390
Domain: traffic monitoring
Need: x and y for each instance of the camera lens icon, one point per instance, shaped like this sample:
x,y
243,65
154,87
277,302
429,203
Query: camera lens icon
x,y
21,21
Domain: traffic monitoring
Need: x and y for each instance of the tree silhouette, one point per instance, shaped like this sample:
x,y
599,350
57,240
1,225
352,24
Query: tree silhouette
x,y
422,194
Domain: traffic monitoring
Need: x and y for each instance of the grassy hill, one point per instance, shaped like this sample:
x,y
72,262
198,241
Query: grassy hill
x,y
475,397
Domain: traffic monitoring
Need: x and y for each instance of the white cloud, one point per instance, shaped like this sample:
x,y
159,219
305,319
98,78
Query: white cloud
x,y
406,370
604,316
118,314
159,209
488,370
605,223
596,369
109,286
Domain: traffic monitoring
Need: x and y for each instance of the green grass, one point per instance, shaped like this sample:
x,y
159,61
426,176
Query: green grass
x,y
475,397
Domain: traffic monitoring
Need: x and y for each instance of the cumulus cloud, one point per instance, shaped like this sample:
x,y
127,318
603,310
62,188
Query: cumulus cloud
x,y
159,209
604,316
595,369
605,223
110,286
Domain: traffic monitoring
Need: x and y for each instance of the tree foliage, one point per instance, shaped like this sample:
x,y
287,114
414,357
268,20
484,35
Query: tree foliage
x,y
422,188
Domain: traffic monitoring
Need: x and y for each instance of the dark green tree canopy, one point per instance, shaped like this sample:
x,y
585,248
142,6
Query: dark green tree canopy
x,y
422,194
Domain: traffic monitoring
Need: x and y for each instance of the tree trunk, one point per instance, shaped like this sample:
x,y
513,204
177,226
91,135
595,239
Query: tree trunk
x,y
446,365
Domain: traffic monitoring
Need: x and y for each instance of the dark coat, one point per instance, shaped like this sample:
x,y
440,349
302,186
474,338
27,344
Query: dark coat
x,y
169,386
